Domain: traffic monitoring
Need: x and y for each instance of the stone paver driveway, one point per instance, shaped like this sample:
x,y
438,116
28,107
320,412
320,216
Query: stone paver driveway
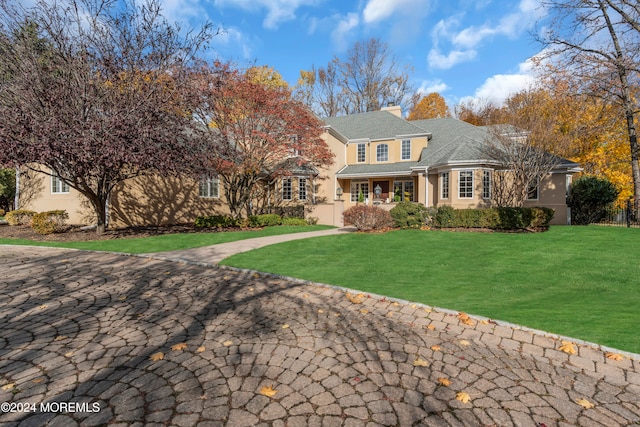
x,y
79,330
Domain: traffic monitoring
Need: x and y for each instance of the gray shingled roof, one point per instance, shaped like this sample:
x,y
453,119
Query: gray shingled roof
x,y
401,168
374,125
455,141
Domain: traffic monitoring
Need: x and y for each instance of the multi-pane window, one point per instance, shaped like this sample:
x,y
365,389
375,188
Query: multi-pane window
x,y
359,188
406,150
209,188
486,184
403,191
58,186
465,184
286,189
382,153
302,188
444,185
362,153
532,190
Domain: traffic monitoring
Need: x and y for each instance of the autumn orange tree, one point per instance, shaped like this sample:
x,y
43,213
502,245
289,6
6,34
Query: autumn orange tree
x,y
431,106
95,92
259,130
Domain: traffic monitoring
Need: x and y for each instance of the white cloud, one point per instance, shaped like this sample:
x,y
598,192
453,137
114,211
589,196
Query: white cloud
x,y
498,88
437,60
431,86
278,11
182,10
233,40
340,35
377,10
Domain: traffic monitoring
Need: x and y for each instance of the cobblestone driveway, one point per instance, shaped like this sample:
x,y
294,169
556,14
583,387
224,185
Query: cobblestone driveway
x,y
82,327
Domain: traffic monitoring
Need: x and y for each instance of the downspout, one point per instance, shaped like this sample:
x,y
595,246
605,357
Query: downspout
x,y
16,198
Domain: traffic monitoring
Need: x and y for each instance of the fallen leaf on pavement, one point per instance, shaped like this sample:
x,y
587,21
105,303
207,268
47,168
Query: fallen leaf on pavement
x,y
227,343
568,347
157,356
420,362
614,356
435,347
463,397
465,343
180,346
285,326
357,299
8,386
444,381
268,391
431,328
585,403
200,349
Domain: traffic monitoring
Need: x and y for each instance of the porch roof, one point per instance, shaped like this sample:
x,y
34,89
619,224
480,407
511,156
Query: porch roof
x,y
385,169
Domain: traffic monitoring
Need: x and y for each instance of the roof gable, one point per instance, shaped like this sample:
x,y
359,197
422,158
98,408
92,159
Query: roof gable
x,y
375,125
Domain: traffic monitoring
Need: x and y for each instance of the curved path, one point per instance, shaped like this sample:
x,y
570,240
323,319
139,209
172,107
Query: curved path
x,y
79,330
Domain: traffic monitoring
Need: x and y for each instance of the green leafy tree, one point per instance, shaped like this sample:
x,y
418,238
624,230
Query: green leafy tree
x,y
590,198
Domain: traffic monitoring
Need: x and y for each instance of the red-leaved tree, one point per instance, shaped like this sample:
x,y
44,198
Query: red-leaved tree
x,y
257,128
96,92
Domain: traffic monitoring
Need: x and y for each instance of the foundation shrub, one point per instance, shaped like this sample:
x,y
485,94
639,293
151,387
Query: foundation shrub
x,y
294,221
19,217
49,222
368,218
264,220
217,221
409,215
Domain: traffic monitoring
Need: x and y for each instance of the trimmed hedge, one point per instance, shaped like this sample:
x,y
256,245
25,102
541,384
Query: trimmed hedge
x,y
49,222
535,218
368,218
265,220
217,221
410,215
294,221
19,217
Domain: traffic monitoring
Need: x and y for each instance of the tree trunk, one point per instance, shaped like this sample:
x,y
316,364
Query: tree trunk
x,y
627,101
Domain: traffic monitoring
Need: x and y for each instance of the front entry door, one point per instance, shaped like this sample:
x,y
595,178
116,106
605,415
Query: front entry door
x,y
384,185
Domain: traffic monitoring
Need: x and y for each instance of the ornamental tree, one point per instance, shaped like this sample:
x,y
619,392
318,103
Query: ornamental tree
x,y
259,130
96,93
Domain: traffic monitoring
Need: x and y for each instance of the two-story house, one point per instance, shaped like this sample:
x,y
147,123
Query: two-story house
x,y
383,159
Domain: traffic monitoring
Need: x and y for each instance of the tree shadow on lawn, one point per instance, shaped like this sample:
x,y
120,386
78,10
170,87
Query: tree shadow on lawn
x,y
82,327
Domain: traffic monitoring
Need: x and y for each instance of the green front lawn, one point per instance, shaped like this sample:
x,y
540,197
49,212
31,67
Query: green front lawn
x,y
168,242
582,282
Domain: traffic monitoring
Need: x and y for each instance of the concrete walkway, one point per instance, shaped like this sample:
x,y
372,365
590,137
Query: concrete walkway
x,y
216,253
99,339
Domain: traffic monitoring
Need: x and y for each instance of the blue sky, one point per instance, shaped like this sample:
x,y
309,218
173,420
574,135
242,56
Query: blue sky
x,y
458,48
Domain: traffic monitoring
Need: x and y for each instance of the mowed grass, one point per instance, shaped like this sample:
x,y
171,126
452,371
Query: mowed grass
x,y
168,242
583,282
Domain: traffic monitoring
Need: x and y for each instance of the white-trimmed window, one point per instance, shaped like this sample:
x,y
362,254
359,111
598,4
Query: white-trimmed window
x,y
302,188
406,150
286,189
465,184
403,191
58,186
357,188
532,189
382,153
444,185
209,187
362,153
486,184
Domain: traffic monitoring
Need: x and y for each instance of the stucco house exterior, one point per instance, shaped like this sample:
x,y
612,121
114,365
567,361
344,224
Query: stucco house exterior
x,y
380,159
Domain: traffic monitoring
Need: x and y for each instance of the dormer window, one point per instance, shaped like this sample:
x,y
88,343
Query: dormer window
x,y
406,150
382,153
362,153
